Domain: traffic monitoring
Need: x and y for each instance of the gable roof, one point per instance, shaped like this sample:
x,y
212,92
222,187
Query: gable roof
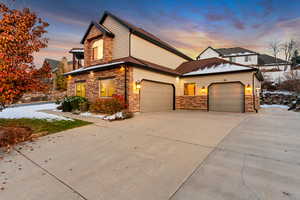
x,y
211,66
235,51
145,35
100,27
53,63
264,59
209,47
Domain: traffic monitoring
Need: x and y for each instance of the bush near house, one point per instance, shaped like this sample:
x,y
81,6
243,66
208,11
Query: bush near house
x,y
74,103
109,105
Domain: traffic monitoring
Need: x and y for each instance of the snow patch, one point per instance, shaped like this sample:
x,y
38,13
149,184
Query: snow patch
x,y
274,106
31,111
118,115
88,114
225,67
279,92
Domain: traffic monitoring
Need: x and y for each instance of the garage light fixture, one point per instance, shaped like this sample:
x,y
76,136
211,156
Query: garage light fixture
x,y
248,89
138,84
203,90
69,77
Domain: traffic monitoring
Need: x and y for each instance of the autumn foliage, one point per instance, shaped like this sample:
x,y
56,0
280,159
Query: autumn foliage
x,y
21,35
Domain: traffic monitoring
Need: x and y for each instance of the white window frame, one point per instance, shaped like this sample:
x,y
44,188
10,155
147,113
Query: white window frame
x,y
107,79
99,44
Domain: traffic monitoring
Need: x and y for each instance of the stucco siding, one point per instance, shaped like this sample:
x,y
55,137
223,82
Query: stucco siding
x,y
140,74
145,50
209,53
241,59
121,40
205,81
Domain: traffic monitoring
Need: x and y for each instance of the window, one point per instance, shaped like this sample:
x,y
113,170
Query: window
x,y
97,50
107,87
189,89
80,89
232,59
247,58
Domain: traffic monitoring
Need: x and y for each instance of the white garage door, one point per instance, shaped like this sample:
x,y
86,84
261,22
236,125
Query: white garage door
x,y
226,97
156,97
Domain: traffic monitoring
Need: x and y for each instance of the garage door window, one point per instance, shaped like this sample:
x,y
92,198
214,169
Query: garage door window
x,y
107,87
189,89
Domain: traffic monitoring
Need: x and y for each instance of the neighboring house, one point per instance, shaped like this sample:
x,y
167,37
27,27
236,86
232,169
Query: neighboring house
x,y
120,58
273,69
78,57
58,67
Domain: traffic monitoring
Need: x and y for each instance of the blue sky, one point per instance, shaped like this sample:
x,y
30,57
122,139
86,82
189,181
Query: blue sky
x,y
189,25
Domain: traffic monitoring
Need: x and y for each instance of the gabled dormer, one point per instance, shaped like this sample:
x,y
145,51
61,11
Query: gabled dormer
x,y
98,44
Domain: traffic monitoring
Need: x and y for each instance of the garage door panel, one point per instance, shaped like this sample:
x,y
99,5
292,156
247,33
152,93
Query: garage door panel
x,y
156,97
226,97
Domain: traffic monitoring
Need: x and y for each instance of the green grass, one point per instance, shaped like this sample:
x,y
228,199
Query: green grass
x,y
42,125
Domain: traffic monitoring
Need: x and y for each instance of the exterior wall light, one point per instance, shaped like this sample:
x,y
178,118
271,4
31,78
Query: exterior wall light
x,y
92,73
138,84
122,68
69,77
248,89
177,78
203,90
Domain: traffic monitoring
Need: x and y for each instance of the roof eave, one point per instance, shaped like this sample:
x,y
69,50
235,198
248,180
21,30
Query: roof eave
x,y
105,32
219,73
106,13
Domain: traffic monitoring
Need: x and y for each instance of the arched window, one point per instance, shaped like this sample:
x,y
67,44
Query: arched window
x,y
97,50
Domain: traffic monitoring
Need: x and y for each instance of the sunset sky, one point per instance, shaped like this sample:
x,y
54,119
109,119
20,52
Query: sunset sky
x,y
189,25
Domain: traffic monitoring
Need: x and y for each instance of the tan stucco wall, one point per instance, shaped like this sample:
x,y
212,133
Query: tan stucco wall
x,y
145,50
140,74
121,39
244,77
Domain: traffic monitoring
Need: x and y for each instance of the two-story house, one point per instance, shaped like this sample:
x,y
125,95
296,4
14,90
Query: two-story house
x,y
273,69
120,58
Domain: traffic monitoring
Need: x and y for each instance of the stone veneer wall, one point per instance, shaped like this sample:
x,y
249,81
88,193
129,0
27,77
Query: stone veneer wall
x,y
192,102
94,35
92,82
249,106
92,85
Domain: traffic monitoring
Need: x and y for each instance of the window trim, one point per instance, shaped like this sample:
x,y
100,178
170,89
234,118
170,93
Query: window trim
x,y
97,47
104,79
76,90
185,87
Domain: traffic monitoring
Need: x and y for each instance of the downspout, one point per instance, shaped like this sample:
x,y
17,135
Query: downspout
x,y
253,93
125,85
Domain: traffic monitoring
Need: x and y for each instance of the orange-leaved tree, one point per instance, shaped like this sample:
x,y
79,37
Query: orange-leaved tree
x,y
21,35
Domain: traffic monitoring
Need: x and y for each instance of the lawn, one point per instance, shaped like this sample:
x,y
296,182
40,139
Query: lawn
x,y
44,125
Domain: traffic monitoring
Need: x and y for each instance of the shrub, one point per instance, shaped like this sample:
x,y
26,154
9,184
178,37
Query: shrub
x,y
109,105
10,136
73,103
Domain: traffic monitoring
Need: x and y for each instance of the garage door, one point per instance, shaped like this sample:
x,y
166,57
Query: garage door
x,y
226,97
156,97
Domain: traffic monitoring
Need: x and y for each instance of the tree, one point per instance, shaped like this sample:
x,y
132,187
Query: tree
x,y
275,47
295,58
289,49
21,35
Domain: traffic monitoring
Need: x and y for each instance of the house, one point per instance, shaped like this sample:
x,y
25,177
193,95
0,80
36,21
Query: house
x,y
58,67
120,58
273,69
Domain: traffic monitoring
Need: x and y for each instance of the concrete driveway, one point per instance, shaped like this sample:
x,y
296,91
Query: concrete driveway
x,y
172,155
